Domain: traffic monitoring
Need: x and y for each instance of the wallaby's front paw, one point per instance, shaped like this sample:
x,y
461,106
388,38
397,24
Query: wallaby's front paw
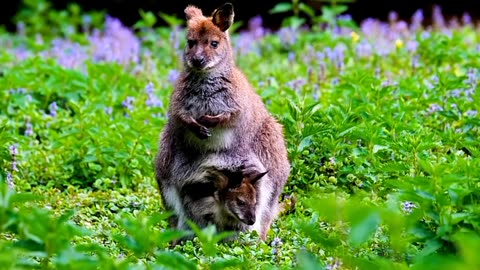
x,y
210,120
203,132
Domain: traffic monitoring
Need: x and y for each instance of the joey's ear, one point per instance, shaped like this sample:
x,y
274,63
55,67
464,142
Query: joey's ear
x,y
192,11
255,177
222,17
219,179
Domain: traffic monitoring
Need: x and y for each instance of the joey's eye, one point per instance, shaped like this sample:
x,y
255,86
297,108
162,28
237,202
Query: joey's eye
x,y
214,44
191,43
241,203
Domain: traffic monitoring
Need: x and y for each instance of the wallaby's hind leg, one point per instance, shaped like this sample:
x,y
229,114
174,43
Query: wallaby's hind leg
x,y
267,219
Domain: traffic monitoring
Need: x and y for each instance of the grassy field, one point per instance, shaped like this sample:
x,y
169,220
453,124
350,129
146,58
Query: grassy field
x,y
381,122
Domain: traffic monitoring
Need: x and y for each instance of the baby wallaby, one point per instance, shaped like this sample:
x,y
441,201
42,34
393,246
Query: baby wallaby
x,y
224,197
213,109
236,198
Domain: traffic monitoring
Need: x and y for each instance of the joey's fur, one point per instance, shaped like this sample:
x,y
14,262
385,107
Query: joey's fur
x,y
213,109
226,198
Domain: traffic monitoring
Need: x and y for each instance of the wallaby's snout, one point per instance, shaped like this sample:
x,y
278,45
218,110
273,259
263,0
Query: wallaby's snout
x,y
250,219
198,61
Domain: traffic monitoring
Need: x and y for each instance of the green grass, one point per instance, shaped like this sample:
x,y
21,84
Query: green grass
x,y
384,151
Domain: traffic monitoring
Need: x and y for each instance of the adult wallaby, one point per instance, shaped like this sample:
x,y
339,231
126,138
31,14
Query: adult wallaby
x,y
213,109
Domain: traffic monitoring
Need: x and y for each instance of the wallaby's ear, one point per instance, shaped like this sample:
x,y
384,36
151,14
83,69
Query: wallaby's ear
x,y
192,11
222,17
255,177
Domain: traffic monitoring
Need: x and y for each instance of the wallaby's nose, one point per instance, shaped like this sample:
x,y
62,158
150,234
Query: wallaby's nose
x,y
251,220
198,61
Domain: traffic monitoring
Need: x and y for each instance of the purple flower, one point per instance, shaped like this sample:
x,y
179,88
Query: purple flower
x,y
471,113
13,150
288,35
469,92
21,28
173,76
291,56
472,77
434,108
454,23
53,109
117,44
297,84
387,83
333,264
392,16
437,17
246,43
456,93
417,20
322,74
425,34
401,26
415,62
277,242
149,88
466,19
255,27
345,17
378,70
412,45
316,92
128,103
339,52
28,129
109,110
364,49
332,161
408,207
175,37
13,153
152,100
10,182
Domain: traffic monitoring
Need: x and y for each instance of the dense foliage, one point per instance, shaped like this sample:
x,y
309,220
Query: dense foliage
x,y
381,122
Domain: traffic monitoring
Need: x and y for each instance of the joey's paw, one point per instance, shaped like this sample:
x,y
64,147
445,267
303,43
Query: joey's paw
x,y
248,169
203,132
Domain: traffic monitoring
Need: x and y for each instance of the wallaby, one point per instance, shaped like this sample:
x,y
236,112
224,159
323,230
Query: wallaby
x,y
227,198
214,109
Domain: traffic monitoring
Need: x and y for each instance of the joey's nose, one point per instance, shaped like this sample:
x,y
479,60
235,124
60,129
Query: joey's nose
x,y
251,220
198,61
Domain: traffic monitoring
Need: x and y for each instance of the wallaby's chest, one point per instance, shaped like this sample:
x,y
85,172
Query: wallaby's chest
x,y
208,97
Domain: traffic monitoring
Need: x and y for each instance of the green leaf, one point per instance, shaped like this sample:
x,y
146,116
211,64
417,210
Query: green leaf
x,y
307,261
363,227
281,7
307,9
306,142
224,264
174,260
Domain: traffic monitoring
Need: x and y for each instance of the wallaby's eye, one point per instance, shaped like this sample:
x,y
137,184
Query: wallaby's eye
x,y
241,203
191,43
214,44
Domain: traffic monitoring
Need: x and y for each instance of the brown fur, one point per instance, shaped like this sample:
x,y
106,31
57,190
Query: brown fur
x,y
214,109
225,198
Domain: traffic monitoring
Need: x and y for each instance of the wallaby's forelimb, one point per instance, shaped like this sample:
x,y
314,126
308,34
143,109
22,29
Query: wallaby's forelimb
x,y
212,121
200,131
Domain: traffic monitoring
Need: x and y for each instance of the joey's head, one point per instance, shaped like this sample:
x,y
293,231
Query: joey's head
x,y
238,195
208,43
